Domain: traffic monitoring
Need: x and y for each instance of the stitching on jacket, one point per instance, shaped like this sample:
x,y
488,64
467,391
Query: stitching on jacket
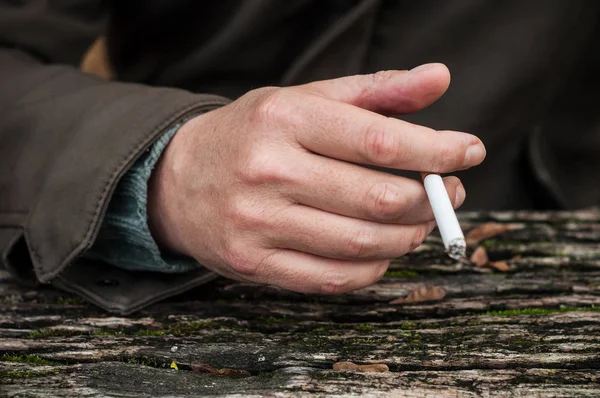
x,y
200,105
107,184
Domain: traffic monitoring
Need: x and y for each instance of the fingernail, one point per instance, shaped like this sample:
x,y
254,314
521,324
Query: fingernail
x,y
460,195
421,68
474,155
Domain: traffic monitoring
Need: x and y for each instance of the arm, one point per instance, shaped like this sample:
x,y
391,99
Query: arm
x,y
267,189
66,138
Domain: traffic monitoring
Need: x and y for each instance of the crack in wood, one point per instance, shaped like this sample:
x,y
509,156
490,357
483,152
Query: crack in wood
x,y
531,331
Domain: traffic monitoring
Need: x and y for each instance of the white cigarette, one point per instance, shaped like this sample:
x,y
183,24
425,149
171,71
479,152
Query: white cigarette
x,y
452,235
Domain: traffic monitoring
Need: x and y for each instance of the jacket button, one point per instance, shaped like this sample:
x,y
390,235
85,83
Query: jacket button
x,y
108,282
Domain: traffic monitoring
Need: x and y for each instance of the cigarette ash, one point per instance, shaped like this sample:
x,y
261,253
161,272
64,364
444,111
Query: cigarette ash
x,y
457,249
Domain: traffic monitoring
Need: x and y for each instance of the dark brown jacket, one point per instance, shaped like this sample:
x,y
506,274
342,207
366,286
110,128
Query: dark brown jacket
x,y
525,79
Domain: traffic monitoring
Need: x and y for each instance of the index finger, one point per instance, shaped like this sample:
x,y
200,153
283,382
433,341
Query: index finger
x,y
346,132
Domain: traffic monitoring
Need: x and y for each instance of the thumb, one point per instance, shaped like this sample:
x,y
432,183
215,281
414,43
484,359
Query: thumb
x,y
388,92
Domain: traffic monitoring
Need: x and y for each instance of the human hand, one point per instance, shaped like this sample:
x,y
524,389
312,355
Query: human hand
x,y
269,188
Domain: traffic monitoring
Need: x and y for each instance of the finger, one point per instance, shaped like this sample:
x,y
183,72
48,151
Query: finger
x,y
330,235
345,132
306,273
390,92
351,190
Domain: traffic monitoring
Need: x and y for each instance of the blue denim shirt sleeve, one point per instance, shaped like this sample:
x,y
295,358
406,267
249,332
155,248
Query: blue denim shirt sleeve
x,y
124,239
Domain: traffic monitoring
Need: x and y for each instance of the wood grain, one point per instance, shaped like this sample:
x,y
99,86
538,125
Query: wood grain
x,y
533,330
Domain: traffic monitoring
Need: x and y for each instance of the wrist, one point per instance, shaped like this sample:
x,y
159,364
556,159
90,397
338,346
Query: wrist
x,y
164,209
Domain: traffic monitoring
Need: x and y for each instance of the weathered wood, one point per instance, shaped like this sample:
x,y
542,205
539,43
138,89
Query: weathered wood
x,y
531,331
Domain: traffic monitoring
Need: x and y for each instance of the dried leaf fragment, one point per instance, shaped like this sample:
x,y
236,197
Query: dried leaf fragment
x,y
206,368
351,366
480,257
233,372
203,368
499,265
346,365
423,293
485,231
376,367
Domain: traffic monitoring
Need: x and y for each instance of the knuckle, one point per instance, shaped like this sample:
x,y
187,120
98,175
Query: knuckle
x,y
333,282
362,243
438,162
238,258
369,85
272,107
379,146
448,157
374,82
246,215
384,202
263,167
380,78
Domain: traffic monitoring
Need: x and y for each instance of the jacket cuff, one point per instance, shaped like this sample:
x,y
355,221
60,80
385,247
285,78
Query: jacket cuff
x,y
60,227
124,239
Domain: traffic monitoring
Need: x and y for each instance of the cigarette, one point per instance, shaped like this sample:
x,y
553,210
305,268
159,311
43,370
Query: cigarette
x,y
445,217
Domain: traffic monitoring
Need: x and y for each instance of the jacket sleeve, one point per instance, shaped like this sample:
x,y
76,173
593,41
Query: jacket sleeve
x,y
66,137
124,239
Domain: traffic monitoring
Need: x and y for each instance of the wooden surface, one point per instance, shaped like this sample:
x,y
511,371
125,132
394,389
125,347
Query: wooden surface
x,y
533,330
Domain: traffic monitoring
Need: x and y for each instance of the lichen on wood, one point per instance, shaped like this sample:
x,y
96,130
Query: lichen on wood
x,y
532,329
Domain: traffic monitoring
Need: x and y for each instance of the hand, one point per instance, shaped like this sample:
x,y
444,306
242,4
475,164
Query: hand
x,y
269,188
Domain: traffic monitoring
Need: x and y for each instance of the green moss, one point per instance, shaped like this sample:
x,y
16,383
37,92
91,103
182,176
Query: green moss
x,y
268,376
150,332
364,327
333,375
11,299
187,328
27,373
362,340
400,274
325,375
330,375
313,343
146,361
270,320
408,325
112,333
333,326
43,333
181,329
29,358
70,301
539,311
